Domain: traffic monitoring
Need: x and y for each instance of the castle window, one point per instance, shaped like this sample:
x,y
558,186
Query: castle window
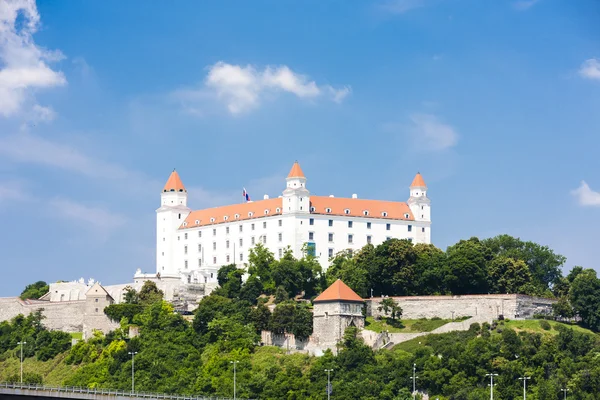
x,y
185,263
252,227
199,233
199,262
252,241
96,299
349,224
328,210
350,239
388,227
184,249
178,237
214,260
227,258
225,218
227,230
96,310
214,232
214,245
250,214
410,240
384,214
312,209
241,256
199,248
388,238
280,236
368,225
264,239
241,242
280,252
410,228
330,252
311,236
265,225
422,229
266,212
311,221
366,212
236,216
368,239
330,222
346,211
185,235
212,220
278,210
197,222
406,215
422,207
330,237
185,224
227,244
241,228
280,223
179,216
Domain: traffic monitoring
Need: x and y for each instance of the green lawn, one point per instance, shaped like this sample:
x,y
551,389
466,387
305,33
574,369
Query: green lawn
x,y
77,335
533,325
405,325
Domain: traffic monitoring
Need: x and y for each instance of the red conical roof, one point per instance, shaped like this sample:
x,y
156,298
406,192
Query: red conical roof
x,y
418,181
296,171
174,183
338,291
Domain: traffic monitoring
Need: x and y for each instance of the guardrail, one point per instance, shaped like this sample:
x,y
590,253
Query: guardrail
x,y
106,392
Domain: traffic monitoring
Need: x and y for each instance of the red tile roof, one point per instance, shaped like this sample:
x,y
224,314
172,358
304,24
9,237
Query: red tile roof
x,y
243,211
174,183
338,291
418,181
296,171
358,207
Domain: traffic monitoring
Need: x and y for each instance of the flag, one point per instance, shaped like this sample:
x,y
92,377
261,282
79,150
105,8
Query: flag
x,y
246,195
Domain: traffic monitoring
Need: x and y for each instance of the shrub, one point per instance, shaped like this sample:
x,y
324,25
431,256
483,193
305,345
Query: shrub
x,y
545,325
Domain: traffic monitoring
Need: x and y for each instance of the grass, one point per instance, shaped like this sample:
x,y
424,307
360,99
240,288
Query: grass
x,y
77,335
53,371
405,325
533,326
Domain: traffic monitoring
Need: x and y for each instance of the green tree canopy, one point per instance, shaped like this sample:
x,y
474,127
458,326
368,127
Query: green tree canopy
x,y
34,290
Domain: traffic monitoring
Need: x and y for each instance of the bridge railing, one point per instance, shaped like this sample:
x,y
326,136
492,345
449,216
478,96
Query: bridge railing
x,y
109,392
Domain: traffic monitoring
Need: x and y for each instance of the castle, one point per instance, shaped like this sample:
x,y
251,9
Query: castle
x,y
193,245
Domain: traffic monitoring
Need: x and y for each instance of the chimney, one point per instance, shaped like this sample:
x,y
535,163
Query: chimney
x,y
354,196
331,195
266,197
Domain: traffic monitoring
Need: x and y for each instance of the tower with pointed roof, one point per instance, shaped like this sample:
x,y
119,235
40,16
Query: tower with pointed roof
x,y
420,206
337,308
296,197
170,216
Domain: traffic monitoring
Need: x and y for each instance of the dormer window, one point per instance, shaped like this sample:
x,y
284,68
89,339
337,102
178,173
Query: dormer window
x,y
185,224
278,210
212,220
328,210
225,218
384,214
366,213
406,216
312,209
266,212
347,211
197,222
250,214
236,216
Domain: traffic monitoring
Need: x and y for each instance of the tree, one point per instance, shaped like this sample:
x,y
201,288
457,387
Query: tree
x,y
346,267
149,294
230,281
260,316
562,309
260,260
131,296
466,267
507,275
34,290
389,306
584,296
251,290
292,317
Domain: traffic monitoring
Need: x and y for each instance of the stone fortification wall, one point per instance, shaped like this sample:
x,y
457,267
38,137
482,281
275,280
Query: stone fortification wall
x,y
65,316
485,306
285,341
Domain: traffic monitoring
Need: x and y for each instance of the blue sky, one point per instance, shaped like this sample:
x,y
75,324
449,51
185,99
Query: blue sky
x,y
496,103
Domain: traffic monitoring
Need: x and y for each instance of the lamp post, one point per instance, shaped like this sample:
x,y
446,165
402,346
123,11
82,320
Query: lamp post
x,y
21,343
491,385
414,379
328,383
133,353
234,363
565,390
525,379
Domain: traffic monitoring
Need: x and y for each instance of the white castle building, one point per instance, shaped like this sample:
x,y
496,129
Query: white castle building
x,y
193,245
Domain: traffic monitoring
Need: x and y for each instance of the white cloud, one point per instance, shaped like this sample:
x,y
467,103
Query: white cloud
x,y
586,196
241,87
590,69
24,64
42,113
12,190
401,6
523,5
431,134
97,218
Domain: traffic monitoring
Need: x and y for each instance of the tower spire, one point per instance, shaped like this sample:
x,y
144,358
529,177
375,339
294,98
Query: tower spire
x,y
418,181
296,171
174,183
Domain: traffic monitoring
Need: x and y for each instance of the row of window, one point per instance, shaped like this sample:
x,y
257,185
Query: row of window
x,y
262,238
236,216
365,212
241,228
227,259
351,224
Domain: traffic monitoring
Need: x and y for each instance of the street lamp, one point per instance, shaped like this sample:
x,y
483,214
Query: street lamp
x,y
329,371
21,343
234,363
491,385
414,379
133,353
525,379
565,390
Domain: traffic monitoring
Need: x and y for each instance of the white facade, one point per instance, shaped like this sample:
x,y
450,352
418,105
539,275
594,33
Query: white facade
x,y
193,245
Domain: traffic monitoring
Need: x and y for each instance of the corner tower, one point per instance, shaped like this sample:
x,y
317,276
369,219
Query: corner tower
x,y
296,198
420,206
169,217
